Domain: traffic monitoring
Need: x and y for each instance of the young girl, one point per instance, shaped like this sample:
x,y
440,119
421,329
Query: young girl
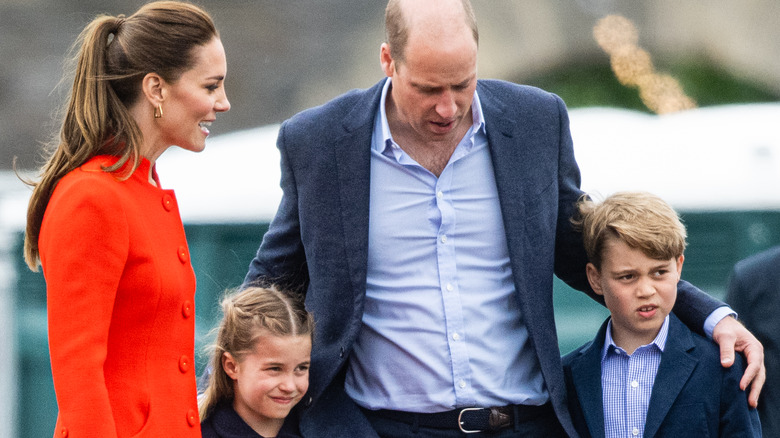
x,y
260,364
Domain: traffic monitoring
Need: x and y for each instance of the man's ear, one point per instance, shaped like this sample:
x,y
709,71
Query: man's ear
x,y
230,365
594,278
153,86
386,60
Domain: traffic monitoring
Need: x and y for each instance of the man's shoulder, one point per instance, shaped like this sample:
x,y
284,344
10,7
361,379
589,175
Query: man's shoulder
x,y
764,262
339,106
499,88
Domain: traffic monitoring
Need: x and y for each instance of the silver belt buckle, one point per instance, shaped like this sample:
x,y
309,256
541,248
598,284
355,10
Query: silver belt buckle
x,y
460,423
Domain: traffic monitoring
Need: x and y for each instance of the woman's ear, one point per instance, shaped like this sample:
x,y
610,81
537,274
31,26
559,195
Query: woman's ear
x,y
594,278
230,365
152,87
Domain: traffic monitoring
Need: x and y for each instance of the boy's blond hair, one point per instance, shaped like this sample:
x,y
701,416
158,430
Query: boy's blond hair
x,y
640,219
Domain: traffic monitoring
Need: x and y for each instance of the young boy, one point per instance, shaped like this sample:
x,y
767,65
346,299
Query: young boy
x,y
646,374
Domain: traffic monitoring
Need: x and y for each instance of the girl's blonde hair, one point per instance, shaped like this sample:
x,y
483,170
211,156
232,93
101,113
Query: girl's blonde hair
x,y
114,54
247,315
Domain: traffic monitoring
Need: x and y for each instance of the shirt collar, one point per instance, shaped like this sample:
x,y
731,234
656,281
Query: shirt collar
x,y
659,341
478,118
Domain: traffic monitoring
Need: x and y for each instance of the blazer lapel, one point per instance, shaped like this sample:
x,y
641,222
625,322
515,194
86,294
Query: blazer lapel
x,y
586,373
677,364
353,166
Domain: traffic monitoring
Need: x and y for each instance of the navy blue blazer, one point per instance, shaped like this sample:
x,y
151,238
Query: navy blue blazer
x,y
693,395
317,242
754,293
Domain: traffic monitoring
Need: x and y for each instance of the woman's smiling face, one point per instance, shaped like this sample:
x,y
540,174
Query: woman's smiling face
x,y
192,102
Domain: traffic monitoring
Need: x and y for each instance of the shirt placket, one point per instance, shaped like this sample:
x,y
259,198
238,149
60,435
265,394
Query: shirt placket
x,y
450,291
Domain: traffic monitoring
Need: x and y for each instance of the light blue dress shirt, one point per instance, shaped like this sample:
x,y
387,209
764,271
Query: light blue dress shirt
x,y
442,326
627,383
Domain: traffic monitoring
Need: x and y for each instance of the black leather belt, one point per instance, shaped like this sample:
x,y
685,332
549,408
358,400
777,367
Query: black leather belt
x,y
469,420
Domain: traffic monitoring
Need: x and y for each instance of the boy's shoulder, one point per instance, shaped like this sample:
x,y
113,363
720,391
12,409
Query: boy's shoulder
x,y
595,344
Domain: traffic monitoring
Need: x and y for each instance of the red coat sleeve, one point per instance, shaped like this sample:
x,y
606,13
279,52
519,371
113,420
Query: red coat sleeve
x,y
84,244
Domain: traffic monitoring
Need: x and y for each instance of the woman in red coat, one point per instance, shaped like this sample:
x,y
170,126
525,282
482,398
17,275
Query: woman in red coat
x,y
120,286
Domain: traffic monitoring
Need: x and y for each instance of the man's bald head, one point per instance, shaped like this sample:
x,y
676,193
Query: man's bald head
x,y
428,19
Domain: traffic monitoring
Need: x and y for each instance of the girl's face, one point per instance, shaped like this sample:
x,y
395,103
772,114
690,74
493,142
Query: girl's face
x,y
269,380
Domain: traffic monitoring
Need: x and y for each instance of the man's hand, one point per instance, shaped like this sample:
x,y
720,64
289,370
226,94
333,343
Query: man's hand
x,y
731,335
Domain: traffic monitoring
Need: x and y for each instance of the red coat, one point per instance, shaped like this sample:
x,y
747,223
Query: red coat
x,y
120,292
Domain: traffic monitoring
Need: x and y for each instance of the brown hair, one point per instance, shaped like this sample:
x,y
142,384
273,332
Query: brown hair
x,y
247,315
397,27
113,56
642,220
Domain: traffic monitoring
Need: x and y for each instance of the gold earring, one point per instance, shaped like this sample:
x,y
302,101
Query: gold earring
x,y
158,113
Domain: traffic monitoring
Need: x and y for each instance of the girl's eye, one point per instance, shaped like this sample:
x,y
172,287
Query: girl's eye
x,y
212,87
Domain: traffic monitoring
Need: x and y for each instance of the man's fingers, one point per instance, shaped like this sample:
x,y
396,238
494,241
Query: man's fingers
x,y
726,343
755,373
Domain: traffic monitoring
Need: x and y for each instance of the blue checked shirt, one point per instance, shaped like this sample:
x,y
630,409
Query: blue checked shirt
x,y
627,382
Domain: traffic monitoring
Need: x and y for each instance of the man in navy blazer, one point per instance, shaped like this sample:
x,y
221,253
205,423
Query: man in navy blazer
x,y
690,381
754,292
435,111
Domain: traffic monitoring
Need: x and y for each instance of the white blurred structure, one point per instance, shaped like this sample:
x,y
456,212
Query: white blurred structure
x,y
713,158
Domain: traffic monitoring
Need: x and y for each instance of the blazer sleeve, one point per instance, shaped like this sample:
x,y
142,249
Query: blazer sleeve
x,y
84,245
281,259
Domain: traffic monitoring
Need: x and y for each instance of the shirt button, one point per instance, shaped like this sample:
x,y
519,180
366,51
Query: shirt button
x,y
634,384
443,239
186,309
635,431
439,194
192,417
184,364
167,202
449,287
64,432
183,256
456,336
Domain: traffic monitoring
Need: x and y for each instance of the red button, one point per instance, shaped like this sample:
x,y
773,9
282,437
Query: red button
x,y
183,256
184,364
192,417
167,202
186,309
64,432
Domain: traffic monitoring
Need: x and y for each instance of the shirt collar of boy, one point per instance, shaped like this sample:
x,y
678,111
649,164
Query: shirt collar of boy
x,y
611,347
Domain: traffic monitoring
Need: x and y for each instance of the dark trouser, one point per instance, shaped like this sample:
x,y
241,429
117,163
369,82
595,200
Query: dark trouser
x,y
533,421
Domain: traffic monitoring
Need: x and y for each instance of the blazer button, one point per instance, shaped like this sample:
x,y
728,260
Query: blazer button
x,y
186,309
167,202
192,417
184,364
64,432
183,256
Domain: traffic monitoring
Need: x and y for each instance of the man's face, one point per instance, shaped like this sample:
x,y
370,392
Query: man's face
x,y
433,87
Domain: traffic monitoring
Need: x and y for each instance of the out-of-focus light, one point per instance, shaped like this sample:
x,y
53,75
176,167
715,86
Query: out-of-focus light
x,y
633,66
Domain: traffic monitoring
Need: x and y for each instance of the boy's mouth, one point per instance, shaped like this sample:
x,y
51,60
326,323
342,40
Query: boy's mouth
x,y
647,311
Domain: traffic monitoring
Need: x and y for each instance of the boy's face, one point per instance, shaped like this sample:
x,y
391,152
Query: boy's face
x,y
638,290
